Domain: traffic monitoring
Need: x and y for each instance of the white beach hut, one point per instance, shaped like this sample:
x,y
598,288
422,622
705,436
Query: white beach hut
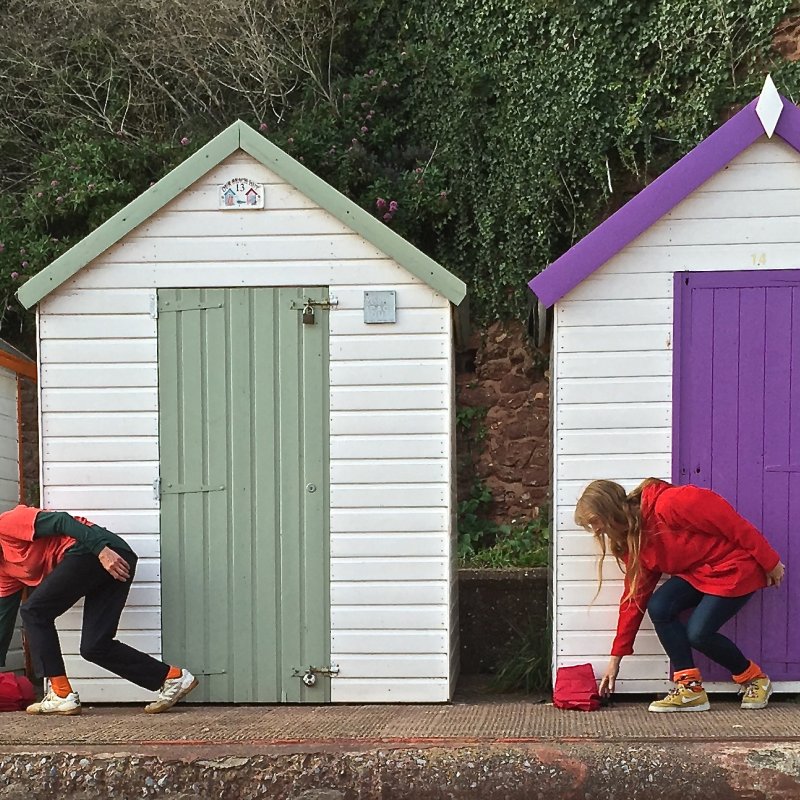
x,y
676,354
250,378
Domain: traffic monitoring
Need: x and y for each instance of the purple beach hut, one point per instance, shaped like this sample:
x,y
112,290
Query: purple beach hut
x,y
676,354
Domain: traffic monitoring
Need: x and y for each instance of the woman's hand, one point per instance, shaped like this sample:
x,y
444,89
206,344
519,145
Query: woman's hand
x,y
775,575
116,566
609,679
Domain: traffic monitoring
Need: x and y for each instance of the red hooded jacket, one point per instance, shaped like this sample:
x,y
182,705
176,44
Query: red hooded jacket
x,y
696,535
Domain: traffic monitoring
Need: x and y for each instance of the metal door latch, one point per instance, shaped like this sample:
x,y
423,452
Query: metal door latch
x,y
309,674
303,305
308,306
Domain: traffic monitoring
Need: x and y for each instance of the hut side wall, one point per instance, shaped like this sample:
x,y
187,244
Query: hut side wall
x,y
9,477
390,424
613,377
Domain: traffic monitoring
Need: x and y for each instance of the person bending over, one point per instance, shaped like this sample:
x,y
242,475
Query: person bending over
x,y
62,559
716,559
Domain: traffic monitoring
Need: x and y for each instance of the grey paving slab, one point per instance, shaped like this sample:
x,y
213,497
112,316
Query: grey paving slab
x,y
478,721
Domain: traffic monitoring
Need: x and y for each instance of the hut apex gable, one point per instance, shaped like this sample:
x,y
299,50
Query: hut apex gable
x,y
239,136
663,194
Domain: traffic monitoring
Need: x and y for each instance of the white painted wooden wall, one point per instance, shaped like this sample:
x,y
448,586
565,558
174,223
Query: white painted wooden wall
x,y
9,478
391,407
612,374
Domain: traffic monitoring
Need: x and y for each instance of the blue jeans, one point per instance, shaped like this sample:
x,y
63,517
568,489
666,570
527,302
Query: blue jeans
x,y
701,630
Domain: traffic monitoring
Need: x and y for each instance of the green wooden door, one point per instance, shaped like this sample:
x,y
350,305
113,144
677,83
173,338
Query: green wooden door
x,y
243,426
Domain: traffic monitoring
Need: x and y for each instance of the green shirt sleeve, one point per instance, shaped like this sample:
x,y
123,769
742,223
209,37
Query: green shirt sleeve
x,y
89,538
8,619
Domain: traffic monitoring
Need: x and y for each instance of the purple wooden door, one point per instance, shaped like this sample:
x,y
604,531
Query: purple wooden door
x,y
736,430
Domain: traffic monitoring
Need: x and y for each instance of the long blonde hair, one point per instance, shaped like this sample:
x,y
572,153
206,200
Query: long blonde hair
x,y
614,519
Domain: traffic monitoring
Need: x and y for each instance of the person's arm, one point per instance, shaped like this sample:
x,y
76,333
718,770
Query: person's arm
x,y
9,606
59,523
629,620
701,509
93,538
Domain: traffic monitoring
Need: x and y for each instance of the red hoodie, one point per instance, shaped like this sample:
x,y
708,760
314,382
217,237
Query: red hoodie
x,y
696,535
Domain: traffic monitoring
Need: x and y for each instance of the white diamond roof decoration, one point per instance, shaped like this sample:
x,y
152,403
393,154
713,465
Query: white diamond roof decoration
x,y
769,107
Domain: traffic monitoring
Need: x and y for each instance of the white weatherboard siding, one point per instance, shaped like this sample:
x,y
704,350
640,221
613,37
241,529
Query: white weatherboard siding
x,y
9,478
391,405
613,378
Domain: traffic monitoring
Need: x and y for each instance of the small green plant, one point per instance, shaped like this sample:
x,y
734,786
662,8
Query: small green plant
x,y
469,422
524,545
482,543
473,528
526,665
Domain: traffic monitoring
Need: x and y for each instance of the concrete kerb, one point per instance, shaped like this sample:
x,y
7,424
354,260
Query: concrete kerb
x,y
487,749
568,771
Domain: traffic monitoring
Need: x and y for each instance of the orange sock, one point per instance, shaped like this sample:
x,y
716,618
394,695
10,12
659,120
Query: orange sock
x,y
750,674
174,672
687,676
60,685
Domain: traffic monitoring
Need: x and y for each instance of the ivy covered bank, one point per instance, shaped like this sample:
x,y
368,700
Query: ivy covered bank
x,y
492,133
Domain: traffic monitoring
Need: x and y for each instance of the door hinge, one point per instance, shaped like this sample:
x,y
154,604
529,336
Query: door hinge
x,y
184,488
186,305
160,488
154,306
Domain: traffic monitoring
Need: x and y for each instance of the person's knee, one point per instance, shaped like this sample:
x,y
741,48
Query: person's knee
x,y
31,613
658,609
94,650
698,636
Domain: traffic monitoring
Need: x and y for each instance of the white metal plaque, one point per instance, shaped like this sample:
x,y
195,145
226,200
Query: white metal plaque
x,y
380,306
241,193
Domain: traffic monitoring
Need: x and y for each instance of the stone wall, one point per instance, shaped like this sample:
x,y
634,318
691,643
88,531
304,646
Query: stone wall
x,y
786,39
508,449
497,609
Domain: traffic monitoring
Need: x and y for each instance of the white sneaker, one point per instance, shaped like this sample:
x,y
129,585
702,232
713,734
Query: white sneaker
x,y
51,703
174,689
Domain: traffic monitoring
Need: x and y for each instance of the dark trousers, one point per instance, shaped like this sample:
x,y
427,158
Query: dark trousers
x,y
701,631
82,576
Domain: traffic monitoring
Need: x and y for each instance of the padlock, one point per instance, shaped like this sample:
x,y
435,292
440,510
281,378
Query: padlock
x,y
308,315
309,679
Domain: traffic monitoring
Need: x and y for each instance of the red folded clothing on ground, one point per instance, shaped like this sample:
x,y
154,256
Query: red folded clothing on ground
x,y
576,688
16,692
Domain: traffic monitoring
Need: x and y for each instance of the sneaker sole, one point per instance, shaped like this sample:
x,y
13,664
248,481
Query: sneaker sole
x,y
73,712
153,709
680,709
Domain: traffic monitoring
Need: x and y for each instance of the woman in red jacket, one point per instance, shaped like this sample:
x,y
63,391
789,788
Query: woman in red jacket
x,y
716,559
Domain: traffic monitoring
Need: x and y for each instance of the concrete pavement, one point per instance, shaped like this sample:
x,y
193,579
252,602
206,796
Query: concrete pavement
x,y
481,746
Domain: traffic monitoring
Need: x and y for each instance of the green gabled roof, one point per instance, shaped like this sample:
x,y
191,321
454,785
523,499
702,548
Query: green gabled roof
x,y
235,137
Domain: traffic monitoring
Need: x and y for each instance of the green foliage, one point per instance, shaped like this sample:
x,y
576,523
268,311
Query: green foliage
x,y
536,106
484,543
366,148
473,527
79,180
526,664
491,133
525,545
469,423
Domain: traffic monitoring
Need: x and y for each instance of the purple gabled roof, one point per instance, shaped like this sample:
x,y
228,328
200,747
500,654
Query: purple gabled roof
x,y
659,197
